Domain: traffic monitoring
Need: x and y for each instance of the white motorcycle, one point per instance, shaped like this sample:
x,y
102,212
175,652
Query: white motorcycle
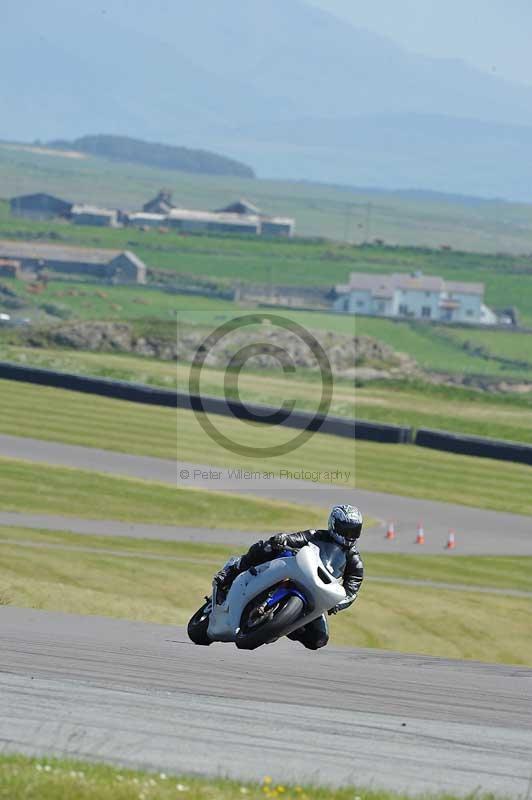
x,y
268,601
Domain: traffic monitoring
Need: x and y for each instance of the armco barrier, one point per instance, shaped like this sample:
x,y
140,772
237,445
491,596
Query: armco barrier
x,y
336,426
120,390
139,393
474,446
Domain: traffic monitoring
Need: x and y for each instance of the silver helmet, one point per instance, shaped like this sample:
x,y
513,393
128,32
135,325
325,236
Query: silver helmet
x,y
345,524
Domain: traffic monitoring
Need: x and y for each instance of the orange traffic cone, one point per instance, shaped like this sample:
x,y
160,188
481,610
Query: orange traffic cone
x,y
390,533
451,541
420,538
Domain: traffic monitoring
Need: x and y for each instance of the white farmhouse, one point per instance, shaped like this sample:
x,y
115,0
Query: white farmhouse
x,y
413,296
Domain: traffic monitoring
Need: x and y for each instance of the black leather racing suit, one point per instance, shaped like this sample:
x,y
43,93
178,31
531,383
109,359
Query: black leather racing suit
x,y
342,561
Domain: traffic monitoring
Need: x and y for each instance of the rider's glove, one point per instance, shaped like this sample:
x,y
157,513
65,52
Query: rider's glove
x,y
334,610
277,544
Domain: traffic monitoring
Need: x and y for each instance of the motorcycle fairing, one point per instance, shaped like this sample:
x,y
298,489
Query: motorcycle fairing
x,y
303,572
285,591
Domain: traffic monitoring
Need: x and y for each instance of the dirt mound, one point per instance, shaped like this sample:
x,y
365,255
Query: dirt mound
x,y
360,357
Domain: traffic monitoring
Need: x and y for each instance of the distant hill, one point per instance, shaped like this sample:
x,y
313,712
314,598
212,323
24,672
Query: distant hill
x,y
285,87
455,156
163,156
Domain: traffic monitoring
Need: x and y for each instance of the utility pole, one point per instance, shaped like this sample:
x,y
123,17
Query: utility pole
x,y
496,226
368,223
348,222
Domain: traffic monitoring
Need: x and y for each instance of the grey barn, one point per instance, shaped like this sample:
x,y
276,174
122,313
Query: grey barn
x,y
92,215
39,206
110,265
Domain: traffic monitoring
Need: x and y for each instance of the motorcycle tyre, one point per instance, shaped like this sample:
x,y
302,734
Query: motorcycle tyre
x,y
272,630
197,627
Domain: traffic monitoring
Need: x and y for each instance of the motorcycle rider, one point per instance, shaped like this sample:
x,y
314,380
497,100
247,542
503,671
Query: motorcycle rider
x,y
339,552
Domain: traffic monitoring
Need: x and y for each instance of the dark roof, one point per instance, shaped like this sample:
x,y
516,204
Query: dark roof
x,y
28,199
55,252
92,211
241,206
132,258
385,285
213,217
464,288
162,204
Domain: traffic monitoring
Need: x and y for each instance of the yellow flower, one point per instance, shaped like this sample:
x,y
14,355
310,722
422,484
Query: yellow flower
x,y
267,779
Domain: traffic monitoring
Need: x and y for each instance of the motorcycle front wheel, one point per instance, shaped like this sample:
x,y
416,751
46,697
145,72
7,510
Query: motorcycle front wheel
x,y
254,632
197,627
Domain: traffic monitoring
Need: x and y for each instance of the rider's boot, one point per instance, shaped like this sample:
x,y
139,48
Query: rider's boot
x,y
313,636
225,577
296,636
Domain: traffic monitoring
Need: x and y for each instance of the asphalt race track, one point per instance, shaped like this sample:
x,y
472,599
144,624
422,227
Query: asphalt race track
x,y
374,540
140,694
477,531
130,530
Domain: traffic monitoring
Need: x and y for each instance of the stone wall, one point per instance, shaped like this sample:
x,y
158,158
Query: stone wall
x,y
276,294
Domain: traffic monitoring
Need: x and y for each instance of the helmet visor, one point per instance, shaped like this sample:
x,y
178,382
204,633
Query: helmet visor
x,y
349,530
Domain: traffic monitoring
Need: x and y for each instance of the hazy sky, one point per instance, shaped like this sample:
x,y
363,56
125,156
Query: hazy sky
x,y
494,35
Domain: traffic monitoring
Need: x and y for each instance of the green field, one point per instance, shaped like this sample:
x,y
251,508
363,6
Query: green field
x,y
86,301
497,354
506,347
441,349
413,404
57,415
295,262
164,582
337,213
448,409
23,778
57,490
464,607
513,573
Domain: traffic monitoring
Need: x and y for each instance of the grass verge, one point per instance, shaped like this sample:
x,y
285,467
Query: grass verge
x,y
402,403
73,418
122,578
498,572
23,778
497,354
45,489
319,211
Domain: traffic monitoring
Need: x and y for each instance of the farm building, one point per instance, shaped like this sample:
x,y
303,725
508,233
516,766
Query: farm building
x,y
145,219
126,267
417,296
242,207
39,206
277,294
10,268
91,215
162,204
269,226
240,217
212,222
109,265
277,226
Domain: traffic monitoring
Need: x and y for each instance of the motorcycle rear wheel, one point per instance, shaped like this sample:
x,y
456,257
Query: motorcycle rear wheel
x,y
197,627
249,638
